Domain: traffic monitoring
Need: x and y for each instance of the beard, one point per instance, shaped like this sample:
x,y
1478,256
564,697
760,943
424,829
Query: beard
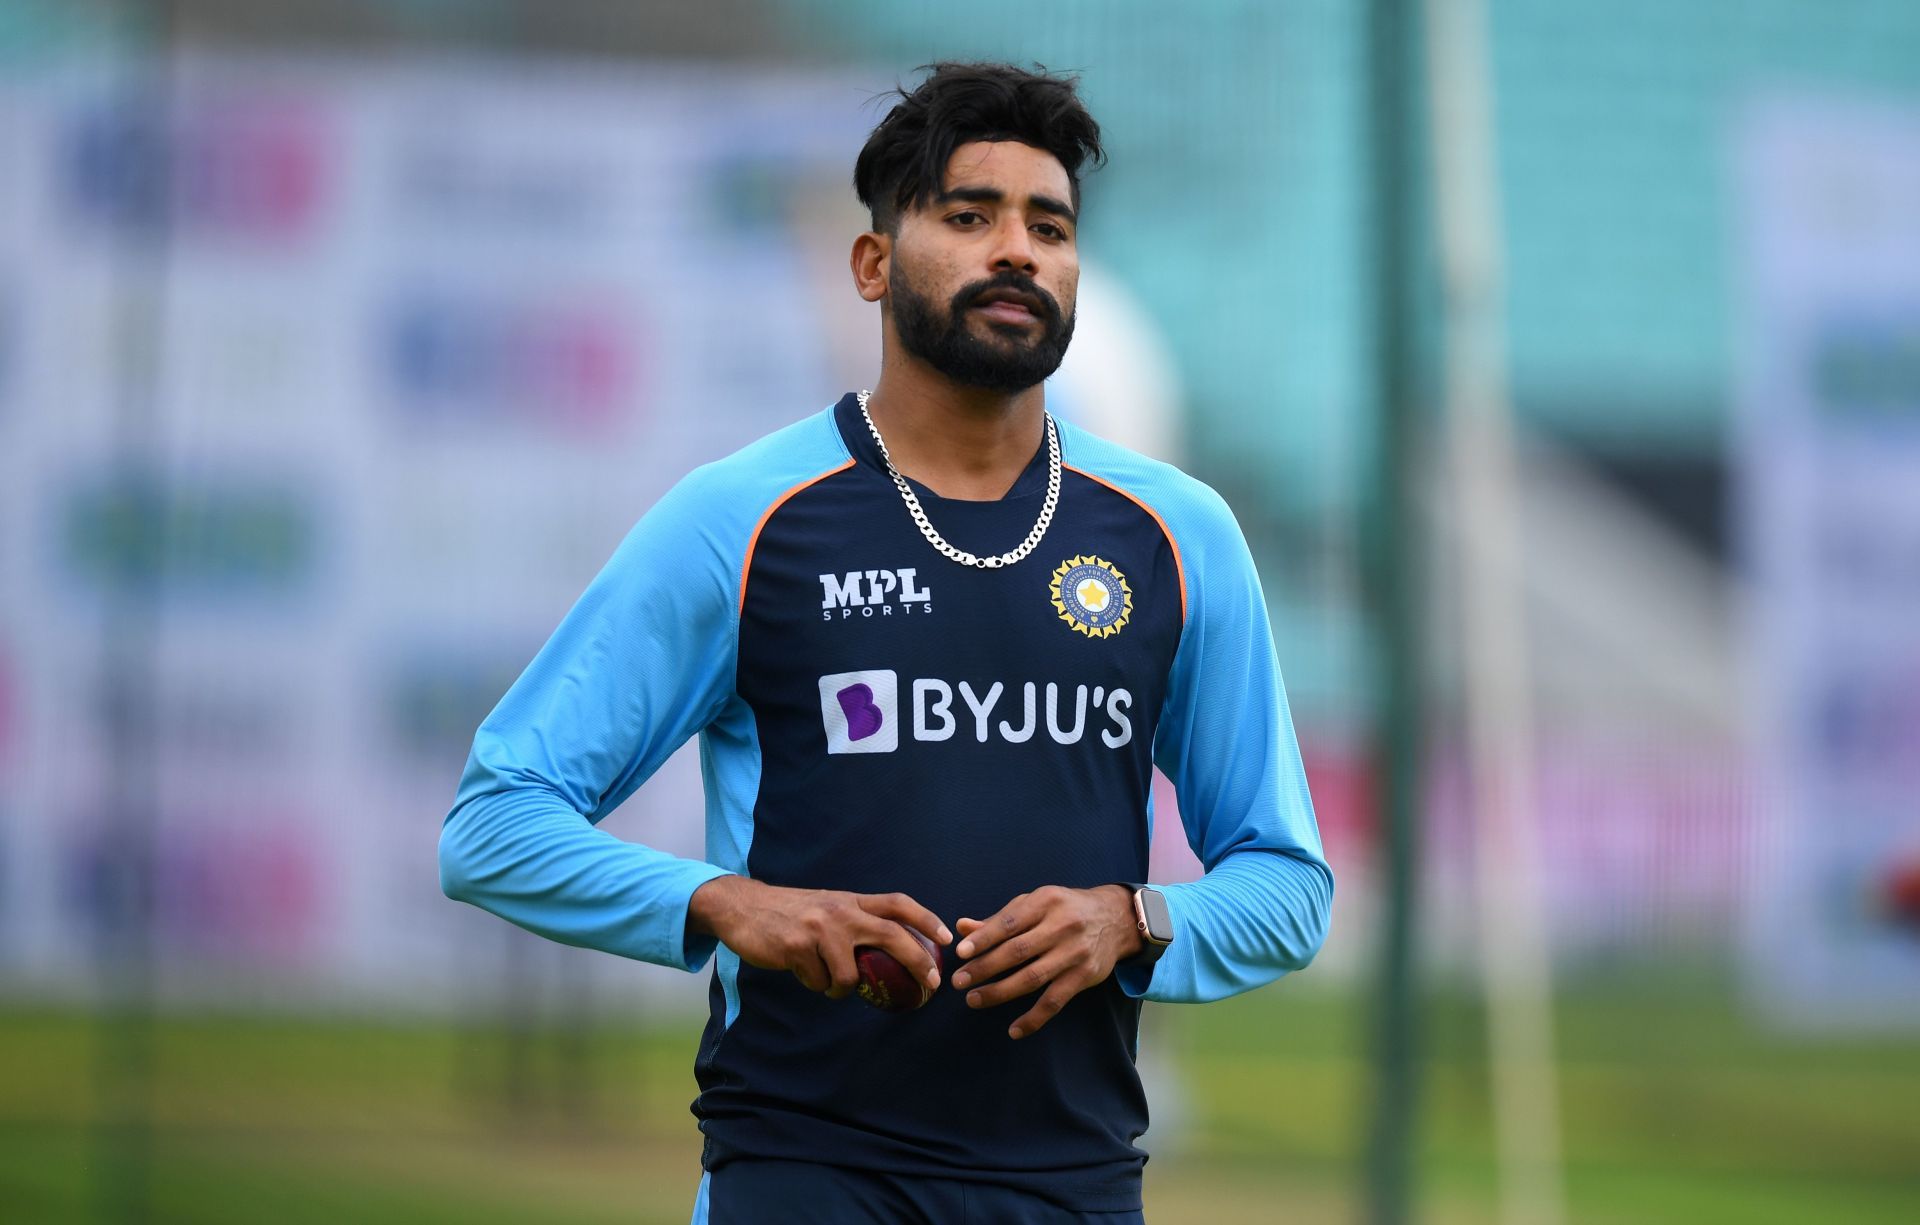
x,y
1007,361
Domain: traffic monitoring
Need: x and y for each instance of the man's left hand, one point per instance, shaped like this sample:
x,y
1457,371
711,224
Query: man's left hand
x,y
1054,940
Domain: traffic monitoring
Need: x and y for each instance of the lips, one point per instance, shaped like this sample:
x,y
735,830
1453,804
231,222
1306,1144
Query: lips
x,y
1008,306
1007,312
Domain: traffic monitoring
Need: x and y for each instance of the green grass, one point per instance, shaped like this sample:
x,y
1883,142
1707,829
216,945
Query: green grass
x,y
1675,1109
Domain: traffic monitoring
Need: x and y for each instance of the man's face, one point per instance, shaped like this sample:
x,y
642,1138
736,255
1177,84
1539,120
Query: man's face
x,y
983,277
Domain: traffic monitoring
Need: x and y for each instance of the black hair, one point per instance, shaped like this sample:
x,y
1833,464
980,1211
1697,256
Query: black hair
x,y
904,162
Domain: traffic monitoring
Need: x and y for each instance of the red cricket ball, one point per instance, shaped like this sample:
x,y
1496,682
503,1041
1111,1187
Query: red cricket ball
x,y
890,986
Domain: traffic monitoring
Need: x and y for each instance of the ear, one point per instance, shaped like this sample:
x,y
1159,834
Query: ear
x,y
871,259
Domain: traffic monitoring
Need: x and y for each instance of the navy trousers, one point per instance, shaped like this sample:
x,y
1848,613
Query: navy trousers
x,y
752,1192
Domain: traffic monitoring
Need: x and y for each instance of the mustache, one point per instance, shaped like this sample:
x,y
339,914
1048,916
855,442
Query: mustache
x,y
969,295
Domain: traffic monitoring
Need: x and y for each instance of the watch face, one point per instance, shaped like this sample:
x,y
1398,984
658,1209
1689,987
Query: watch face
x,y
1153,907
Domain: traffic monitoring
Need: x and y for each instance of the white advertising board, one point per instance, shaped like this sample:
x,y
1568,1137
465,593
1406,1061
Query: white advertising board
x,y
1829,460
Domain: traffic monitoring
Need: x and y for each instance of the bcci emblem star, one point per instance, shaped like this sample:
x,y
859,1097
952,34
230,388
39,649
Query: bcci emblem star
x,y
1092,596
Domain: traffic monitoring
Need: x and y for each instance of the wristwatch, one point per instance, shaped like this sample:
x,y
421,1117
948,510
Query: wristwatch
x,y
1155,922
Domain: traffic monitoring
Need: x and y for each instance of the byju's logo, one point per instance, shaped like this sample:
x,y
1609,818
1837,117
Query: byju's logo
x,y
867,590
861,711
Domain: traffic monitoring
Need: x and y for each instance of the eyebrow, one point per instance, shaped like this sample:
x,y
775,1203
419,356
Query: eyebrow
x,y
993,195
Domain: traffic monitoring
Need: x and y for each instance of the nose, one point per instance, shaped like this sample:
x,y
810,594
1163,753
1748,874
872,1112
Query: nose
x,y
1013,247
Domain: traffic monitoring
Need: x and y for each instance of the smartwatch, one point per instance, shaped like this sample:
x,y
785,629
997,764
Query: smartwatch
x,y
1151,916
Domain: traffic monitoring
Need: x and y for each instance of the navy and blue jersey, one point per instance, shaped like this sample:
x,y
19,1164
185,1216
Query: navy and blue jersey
x,y
877,718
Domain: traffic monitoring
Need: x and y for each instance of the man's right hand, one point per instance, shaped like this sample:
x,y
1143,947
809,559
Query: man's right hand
x,y
813,932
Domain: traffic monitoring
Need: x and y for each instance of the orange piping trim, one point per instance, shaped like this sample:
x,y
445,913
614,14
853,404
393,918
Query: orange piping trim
x,y
1179,566
753,541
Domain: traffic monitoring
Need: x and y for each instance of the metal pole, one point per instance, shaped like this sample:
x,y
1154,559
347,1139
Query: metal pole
x,y
1392,554
1511,912
125,858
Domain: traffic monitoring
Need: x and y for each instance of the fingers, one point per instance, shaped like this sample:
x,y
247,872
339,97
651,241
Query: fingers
x,y
893,910
1023,980
843,973
1040,942
898,943
815,935
1015,917
903,909
811,971
1048,1006
1013,951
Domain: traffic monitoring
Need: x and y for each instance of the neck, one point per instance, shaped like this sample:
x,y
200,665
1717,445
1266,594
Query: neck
x,y
960,442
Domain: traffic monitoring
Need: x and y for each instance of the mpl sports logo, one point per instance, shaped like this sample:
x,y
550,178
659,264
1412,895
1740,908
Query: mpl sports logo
x,y
861,712
873,593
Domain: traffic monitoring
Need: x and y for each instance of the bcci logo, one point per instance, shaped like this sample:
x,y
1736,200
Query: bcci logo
x,y
1092,596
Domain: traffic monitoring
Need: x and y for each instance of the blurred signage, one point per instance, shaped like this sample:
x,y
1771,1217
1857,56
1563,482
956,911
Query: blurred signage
x,y
434,704
188,537
1868,369
8,340
1830,459
526,188
7,708
410,328
247,889
527,359
240,166
217,722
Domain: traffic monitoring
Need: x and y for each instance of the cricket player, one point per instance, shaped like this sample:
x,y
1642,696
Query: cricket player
x,y
933,642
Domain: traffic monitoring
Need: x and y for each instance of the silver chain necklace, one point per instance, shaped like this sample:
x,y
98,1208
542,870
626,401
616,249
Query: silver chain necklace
x,y
926,527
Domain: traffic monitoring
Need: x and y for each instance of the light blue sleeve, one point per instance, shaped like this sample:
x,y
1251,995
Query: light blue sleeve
x,y
643,661
1226,741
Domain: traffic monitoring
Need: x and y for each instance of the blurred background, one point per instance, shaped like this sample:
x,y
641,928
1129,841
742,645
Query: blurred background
x,y
1561,361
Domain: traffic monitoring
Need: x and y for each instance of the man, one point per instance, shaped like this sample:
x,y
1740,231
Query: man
x,y
933,643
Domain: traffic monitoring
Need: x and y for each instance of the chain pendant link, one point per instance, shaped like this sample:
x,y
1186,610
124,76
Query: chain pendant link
x,y
926,526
